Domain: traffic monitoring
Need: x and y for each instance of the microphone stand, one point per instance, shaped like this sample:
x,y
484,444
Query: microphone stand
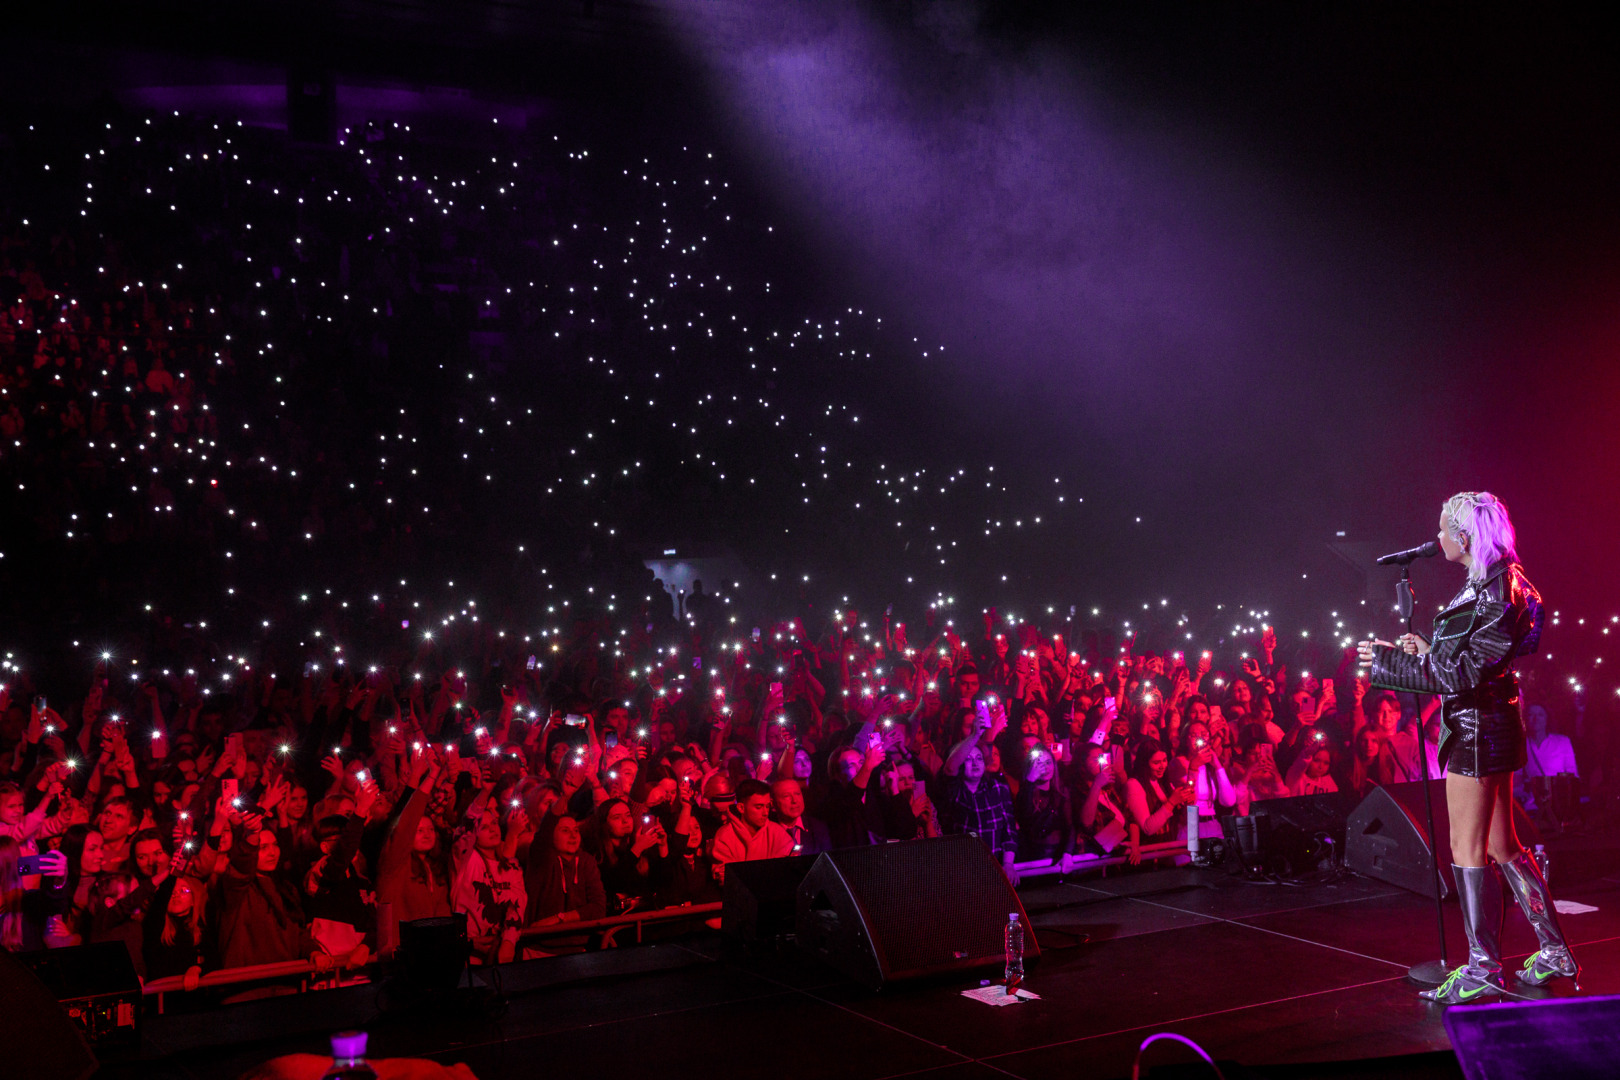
x,y
1429,972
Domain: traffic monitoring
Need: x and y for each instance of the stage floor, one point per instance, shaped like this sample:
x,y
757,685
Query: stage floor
x,y
1261,974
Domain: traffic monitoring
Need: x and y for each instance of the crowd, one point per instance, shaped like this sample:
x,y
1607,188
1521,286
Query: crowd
x,y
257,403
305,814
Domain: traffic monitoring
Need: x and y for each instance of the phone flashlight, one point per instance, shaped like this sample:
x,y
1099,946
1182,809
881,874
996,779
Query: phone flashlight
x,y
361,776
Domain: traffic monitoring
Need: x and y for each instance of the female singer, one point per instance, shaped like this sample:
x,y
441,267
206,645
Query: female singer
x,y
1495,619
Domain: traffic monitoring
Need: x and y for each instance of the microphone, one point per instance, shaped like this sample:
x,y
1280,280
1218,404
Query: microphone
x,y
1401,558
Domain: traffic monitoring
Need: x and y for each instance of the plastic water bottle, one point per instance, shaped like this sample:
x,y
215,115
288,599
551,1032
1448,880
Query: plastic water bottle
x,y
1192,830
1544,863
1015,952
349,1058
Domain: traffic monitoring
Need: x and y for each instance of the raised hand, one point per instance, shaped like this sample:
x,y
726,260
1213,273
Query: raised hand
x,y
333,764
365,797
998,717
274,792
421,766
874,752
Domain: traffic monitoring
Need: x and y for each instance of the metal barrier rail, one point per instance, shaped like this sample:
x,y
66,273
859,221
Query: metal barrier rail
x,y
282,969
1079,864
304,969
615,923
609,927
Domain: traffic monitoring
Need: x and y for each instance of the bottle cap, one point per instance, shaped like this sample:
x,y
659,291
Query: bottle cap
x,y
1012,917
349,1044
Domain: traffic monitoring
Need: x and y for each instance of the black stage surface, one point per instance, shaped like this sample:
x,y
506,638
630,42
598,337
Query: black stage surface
x,y
1279,978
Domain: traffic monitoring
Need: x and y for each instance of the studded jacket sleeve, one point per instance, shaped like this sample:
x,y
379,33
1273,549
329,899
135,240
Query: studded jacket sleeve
x,y
1455,665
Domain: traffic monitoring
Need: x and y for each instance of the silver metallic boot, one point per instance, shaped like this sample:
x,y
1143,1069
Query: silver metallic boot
x,y
1480,894
1530,890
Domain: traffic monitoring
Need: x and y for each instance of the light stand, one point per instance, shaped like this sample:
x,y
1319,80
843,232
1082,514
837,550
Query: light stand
x,y
1429,972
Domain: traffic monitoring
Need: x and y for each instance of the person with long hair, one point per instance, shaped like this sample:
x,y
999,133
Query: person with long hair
x,y
1373,765
486,878
1041,807
172,932
1099,813
1495,619
413,868
1152,809
633,857
82,846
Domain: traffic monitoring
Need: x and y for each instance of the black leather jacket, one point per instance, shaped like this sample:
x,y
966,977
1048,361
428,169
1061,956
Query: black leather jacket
x,y
1487,626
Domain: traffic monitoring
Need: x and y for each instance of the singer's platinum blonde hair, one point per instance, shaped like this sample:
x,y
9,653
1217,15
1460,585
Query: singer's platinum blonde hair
x,y
1483,519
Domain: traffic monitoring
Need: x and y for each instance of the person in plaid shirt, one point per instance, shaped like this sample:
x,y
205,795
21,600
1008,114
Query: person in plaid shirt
x,y
976,803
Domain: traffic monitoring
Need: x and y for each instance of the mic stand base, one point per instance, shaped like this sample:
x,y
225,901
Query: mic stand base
x,y
1430,973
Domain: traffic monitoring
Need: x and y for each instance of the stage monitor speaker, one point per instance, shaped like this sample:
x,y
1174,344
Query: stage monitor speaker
x,y
890,912
759,897
1298,833
42,1043
1570,1038
433,952
1387,836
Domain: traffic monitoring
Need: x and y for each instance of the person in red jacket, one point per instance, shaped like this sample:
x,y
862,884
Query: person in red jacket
x,y
750,834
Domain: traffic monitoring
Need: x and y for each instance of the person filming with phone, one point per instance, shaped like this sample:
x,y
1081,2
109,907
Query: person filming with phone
x,y
976,802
